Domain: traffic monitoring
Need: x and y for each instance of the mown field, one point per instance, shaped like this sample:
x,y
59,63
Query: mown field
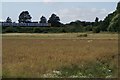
x,y
60,55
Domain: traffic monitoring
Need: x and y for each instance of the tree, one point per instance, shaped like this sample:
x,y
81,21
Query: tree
x,y
9,20
24,17
43,20
114,20
106,22
118,7
114,24
96,19
54,20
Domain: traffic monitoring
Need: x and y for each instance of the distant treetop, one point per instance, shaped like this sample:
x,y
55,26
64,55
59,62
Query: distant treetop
x,y
43,20
9,20
24,17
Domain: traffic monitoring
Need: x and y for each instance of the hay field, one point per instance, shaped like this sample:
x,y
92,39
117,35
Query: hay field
x,y
40,55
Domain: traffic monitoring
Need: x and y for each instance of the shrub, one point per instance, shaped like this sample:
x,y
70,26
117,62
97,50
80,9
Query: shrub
x,y
10,29
37,30
96,30
82,35
63,30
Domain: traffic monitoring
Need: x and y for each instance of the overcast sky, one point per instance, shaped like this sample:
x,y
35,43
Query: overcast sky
x,y
67,11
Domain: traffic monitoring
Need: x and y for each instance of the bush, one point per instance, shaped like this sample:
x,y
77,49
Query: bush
x,y
11,29
63,30
82,35
96,30
88,28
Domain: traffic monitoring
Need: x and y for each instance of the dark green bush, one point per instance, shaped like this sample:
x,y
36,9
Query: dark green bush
x,y
82,35
10,30
96,30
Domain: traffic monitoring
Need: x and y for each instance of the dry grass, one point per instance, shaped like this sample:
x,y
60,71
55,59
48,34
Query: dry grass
x,y
60,36
34,57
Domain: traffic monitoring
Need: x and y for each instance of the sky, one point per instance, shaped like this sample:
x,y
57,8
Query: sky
x,y
59,0
67,11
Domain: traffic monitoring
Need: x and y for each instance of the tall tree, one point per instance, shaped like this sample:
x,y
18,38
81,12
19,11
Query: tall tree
x,y
24,17
112,21
118,7
9,20
43,20
96,19
115,21
54,20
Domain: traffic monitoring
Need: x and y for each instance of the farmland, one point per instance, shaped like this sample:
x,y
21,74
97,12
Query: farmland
x,y
60,55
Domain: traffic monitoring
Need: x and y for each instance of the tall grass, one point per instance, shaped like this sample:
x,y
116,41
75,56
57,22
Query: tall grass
x,y
36,57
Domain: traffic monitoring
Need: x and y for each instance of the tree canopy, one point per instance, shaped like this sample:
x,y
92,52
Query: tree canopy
x,y
43,20
24,17
96,19
112,21
118,7
9,20
54,20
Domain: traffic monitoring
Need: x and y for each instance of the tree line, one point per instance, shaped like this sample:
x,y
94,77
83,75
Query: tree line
x,y
25,17
110,24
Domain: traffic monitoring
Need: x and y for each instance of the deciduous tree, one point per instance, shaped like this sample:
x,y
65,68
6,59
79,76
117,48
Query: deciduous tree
x,y
43,20
24,17
54,20
9,20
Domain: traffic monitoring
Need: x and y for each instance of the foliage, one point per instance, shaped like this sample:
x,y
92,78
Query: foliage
x,y
104,25
80,23
10,30
9,20
96,30
43,20
96,19
24,17
54,20
82,35
114,25
112,21
65,29
118,7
